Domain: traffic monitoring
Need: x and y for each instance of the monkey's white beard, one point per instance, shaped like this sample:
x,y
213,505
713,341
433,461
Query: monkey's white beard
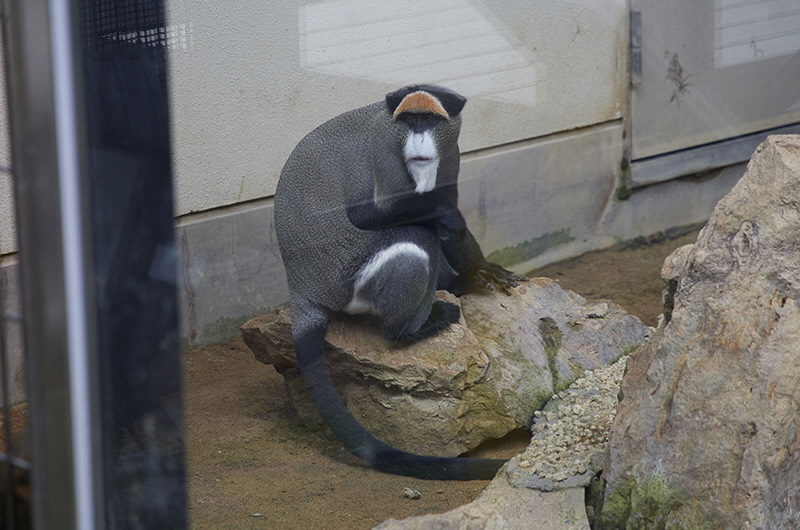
x,y
422,160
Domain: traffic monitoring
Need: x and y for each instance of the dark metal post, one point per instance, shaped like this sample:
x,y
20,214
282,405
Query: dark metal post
x,y
91,156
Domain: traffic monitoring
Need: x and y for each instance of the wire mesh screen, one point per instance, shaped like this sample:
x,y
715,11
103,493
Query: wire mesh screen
x,y
122,24
127,361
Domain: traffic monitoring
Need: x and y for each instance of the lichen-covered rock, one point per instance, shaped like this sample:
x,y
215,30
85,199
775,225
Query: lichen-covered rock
x,y
475,381
707,432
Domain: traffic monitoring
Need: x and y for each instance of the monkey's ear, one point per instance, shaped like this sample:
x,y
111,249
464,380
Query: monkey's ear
x,y
452,102
393,99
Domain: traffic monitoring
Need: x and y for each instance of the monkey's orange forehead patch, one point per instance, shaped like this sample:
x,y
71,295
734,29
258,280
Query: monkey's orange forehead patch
x,y
420,102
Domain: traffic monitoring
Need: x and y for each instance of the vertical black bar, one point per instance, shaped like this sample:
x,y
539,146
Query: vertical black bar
x,y
134,262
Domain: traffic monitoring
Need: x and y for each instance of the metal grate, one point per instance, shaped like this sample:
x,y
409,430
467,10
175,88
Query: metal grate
x,y
123,24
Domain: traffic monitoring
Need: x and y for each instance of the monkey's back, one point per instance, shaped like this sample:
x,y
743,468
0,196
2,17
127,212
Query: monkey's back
x,y
321,249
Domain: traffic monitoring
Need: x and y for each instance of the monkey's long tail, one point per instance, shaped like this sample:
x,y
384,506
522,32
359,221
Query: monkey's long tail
x,y
309,345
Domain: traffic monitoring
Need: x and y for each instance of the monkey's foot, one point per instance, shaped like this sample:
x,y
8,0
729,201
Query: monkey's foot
x,y
488,276
442,315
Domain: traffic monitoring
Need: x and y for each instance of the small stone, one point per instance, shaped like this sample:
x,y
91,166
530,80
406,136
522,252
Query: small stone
x,y
408,493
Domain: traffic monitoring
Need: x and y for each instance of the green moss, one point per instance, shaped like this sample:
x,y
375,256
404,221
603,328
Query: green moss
x,y
578,370
617,508
629,350
221,329
651,505
531,248
551,338
225,327
623,192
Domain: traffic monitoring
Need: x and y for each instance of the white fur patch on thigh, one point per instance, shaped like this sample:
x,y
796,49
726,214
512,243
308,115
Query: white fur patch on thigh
x,y
376,263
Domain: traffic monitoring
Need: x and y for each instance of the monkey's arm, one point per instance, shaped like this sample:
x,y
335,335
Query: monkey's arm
x,y
473,270
433,208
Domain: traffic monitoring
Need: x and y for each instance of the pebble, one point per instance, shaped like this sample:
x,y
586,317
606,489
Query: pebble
x,y
575,426
408,493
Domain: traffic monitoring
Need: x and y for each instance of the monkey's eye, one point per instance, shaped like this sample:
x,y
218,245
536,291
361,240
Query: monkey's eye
x,y
429,118
410,119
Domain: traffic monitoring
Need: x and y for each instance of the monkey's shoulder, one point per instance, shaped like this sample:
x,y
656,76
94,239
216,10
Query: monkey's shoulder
x,y
339,145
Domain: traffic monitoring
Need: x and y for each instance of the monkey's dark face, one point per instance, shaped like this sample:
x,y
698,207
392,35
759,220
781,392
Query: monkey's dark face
x,y
427,119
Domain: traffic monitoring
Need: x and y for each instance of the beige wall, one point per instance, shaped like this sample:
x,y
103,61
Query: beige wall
x,y
250,78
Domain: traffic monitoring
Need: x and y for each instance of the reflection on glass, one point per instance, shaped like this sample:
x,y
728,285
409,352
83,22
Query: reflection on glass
x,y
449,43
752,30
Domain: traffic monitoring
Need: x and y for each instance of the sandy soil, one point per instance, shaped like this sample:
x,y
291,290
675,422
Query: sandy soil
x,y
253,465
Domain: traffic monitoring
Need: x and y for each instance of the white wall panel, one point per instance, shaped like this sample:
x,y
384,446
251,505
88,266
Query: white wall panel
x,y
250,78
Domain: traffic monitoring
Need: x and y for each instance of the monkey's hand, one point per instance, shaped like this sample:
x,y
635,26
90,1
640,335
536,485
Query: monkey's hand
x,y
492,277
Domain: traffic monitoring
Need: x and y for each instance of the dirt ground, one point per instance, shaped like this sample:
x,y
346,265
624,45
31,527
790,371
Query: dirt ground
x,y
251,464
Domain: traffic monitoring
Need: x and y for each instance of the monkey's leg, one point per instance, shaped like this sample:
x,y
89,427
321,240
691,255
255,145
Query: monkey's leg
x,y
401,291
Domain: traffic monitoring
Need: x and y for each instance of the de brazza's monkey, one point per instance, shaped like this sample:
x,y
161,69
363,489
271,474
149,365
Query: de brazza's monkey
x,y
366,214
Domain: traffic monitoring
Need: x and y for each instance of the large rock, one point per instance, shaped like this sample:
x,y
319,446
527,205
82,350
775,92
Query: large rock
x,y
707,433
475,381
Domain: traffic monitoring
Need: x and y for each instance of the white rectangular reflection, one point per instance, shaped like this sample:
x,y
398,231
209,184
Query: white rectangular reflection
x,y
414,41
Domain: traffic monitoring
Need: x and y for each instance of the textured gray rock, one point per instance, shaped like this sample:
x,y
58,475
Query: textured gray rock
x,y
502,506
707,432
543,488
477,380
